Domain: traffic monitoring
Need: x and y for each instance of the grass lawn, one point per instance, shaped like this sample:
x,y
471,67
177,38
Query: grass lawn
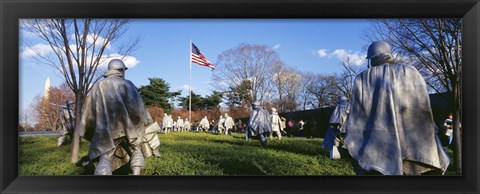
x,y
196,153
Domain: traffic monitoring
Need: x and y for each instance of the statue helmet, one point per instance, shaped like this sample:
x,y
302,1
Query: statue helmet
x,y
379,48
68,102
116,64
342,98
256,103
274,110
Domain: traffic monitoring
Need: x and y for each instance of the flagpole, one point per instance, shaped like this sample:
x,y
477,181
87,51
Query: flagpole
x,y
190,86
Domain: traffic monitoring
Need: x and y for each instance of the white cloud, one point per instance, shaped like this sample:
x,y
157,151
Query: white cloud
x,y
130,61
36,50
339,53
44,50
356,58
185,87
322,52
277,46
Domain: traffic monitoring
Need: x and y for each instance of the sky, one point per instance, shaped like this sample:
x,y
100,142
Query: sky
x,y
308,45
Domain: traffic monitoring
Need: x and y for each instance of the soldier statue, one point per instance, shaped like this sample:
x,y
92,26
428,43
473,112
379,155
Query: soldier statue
x,y
229,124
276,125
68,122
259,123
114,120
186,125
221,124
179,124
167,123
204,124
164,123
333,140
390,128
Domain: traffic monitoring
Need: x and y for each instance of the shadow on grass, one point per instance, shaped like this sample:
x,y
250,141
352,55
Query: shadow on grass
x,y
306,147
90,168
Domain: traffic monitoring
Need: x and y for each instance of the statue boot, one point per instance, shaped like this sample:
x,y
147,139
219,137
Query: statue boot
x,y
137,162
104,166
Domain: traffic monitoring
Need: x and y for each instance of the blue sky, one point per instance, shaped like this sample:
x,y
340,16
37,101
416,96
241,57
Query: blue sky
x,y
315,45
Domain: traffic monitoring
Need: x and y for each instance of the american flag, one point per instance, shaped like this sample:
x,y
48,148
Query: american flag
x,y
198,58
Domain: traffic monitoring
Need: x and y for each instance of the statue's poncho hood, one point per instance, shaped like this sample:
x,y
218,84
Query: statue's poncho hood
x,y
113,109
391,121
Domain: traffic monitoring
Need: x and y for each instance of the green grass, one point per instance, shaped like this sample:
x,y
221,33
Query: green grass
x,y
40,155
192,153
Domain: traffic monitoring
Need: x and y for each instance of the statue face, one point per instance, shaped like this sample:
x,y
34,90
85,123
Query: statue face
x,y
123,72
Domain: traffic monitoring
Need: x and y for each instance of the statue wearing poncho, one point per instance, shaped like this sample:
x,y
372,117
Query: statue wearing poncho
x,y
68,122
390,128
229,124
204,124
114,120
259,123
333,136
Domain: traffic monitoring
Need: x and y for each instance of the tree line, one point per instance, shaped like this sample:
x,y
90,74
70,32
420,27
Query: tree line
x,y
250,73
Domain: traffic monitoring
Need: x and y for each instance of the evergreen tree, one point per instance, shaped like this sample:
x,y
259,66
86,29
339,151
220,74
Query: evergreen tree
x,y
214,100
157,94
232,98
197,102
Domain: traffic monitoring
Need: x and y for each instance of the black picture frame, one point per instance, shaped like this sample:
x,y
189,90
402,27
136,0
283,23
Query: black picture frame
x,y
11,11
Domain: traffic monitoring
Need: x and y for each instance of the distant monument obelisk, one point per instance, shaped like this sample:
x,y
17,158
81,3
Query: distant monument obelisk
x,y
47,89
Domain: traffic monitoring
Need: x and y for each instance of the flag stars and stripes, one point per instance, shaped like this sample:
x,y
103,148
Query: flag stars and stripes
x,y
198,58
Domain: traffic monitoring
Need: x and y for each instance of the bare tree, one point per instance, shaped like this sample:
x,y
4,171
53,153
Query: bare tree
x,y
45,114
25,120
345,80
247,63
79,47
434,47
46,111
323,91
305,95
287,84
